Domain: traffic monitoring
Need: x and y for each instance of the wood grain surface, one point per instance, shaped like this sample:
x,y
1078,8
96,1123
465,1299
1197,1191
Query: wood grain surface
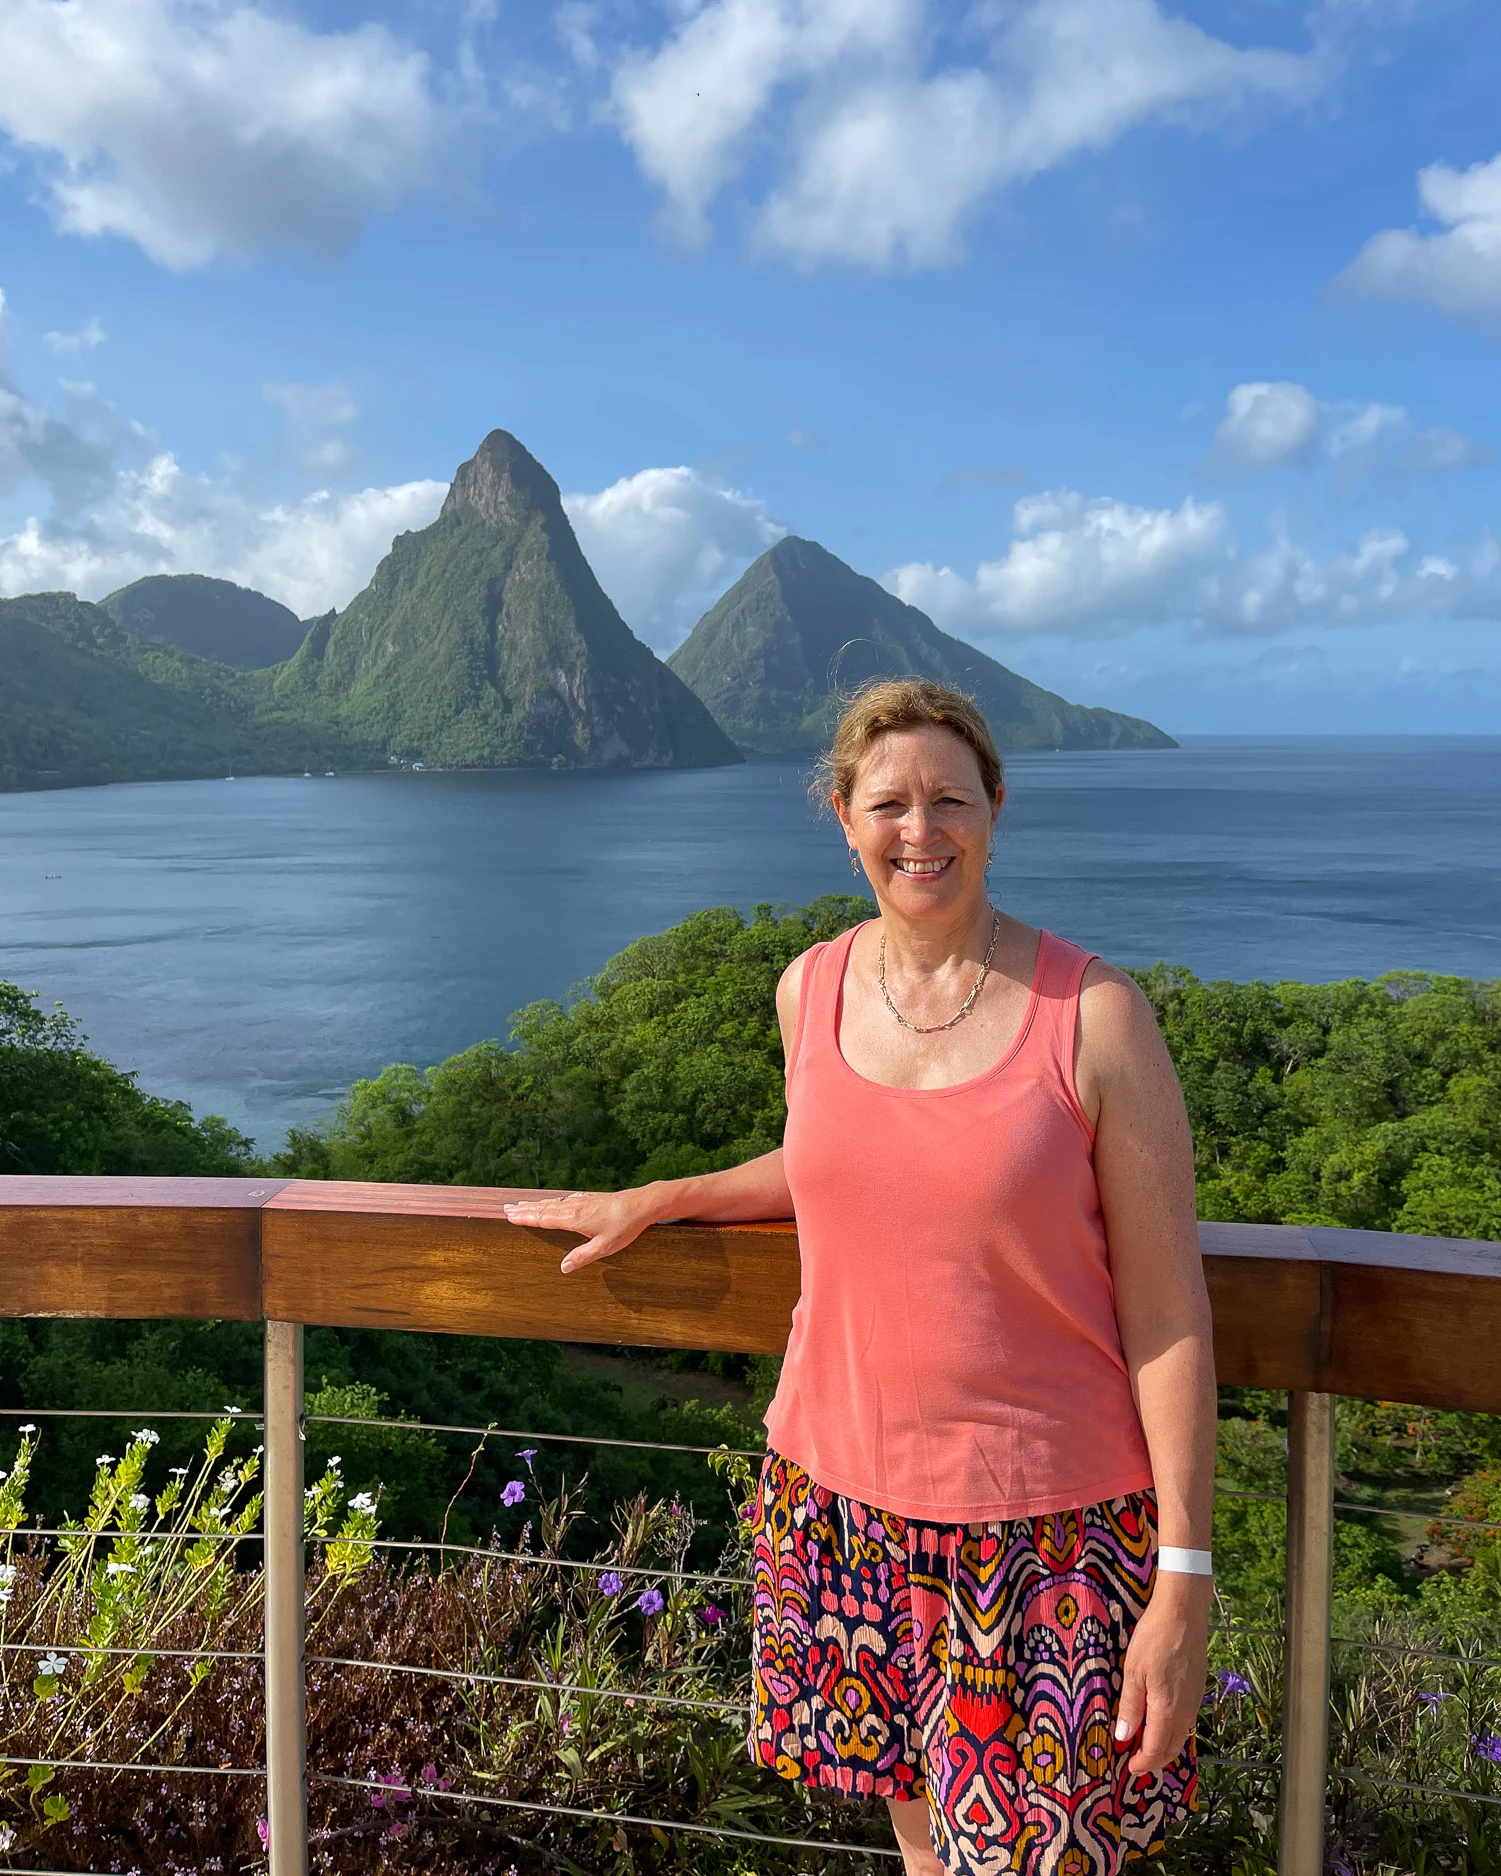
x,y
126,1249
445,1258
1351,1312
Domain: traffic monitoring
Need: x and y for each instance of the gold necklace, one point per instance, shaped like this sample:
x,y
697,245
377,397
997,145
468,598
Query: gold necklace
x,y
929,1029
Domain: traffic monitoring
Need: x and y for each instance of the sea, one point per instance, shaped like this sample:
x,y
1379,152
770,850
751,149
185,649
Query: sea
x,y
253,946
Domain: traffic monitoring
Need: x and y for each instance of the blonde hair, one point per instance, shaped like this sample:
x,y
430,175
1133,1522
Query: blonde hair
x,y
902,703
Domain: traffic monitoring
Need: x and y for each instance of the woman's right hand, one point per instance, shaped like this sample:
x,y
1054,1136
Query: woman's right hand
x,y
606,1221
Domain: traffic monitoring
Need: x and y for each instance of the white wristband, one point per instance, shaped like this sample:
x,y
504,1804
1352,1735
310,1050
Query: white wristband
x,y
1178,1562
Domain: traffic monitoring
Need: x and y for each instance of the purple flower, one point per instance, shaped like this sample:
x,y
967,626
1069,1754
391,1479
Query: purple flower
x,y
514,1492
649,1602
1233,1683
263,1831
1487,1746
711,1615
528,1453
610,1584
1431,1698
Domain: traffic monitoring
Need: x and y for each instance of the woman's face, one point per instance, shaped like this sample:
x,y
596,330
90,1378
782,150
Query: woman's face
x,y
920,820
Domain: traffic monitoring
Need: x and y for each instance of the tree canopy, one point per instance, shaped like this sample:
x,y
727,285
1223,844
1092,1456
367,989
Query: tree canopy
x,y
1375,1105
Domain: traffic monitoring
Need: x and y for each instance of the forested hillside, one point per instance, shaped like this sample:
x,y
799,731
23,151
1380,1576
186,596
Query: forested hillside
x,y
1371,1105
84,702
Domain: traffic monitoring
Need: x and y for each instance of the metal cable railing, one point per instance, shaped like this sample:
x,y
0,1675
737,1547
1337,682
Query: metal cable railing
x,y
626,1818
632,1696
515,1433
635,1572
136,1765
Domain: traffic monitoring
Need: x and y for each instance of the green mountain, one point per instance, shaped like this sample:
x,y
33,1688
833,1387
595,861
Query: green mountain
x,y
799,627
82,701
210,618
485,640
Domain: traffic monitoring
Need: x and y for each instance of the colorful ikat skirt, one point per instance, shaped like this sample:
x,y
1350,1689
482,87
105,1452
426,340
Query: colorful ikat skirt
x,y
977,1666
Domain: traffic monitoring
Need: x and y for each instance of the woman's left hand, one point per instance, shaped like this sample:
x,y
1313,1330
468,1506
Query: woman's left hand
x,y
1163,1684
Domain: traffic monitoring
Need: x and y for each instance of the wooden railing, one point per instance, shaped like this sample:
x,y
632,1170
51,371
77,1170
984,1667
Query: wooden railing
x,y
1316,1311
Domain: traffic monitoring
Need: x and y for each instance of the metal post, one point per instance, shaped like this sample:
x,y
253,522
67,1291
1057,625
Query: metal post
x,y
1310,1593
286,1699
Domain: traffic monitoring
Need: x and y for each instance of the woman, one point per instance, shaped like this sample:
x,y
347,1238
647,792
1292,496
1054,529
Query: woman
x,y
998,1395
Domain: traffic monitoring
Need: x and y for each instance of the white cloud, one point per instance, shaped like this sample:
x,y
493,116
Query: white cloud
x,y
311,554
1076,566
1096,568
83,340
121,506
1457,270
1448,449
1269,426
204,127
665,543
884,164
313,412
1264,426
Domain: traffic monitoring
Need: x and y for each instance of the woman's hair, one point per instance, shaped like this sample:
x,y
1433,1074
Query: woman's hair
x,y
901,703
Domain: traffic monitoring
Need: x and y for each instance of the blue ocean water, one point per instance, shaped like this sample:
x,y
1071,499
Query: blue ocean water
x,y
254,946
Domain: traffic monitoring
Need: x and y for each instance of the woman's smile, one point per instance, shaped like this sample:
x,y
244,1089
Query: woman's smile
x,y
923,869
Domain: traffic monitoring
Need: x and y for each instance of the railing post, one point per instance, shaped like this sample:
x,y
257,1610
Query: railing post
x,y
286,1694
1310,1595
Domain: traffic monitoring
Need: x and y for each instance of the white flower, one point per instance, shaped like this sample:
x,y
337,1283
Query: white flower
x,y
228,1479
179,1472
334,1461
362,1501
148,1434
120,1569
234,1410
7,1581
257,1449
28,1428
53,1665
139,1501
7,1840
3,1477
105,1459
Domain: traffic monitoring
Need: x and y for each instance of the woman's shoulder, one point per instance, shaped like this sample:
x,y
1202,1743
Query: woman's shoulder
x,y
790,983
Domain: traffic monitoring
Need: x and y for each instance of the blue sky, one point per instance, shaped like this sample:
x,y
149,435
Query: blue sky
x,y
1152,348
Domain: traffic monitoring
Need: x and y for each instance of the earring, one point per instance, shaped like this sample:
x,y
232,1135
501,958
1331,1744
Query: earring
x,y
989,860
854,863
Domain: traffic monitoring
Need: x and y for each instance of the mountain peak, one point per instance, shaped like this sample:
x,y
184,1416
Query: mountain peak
x,y
502,483
799,629
485,641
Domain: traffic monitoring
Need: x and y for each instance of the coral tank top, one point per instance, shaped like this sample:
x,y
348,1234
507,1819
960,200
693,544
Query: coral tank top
x,y
954,1352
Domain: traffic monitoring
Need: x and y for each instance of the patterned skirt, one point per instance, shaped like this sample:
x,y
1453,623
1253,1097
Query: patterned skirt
x,y
977,1666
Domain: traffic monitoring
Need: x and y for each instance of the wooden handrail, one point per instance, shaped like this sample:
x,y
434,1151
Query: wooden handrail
x,y
1346,1312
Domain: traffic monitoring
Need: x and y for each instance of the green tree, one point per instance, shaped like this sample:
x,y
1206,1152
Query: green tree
x,y
63,1110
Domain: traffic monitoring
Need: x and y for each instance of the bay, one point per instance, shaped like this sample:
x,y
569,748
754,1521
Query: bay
x,y
254,946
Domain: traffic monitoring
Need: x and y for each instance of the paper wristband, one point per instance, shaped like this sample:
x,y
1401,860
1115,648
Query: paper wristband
x,y
1185,1562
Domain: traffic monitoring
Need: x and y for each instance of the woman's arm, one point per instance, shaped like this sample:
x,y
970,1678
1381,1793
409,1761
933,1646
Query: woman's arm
x,y
1144,1165
609,1221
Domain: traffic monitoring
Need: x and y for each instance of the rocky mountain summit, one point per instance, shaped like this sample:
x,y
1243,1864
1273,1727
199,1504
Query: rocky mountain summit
x,y
486,641
799,629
